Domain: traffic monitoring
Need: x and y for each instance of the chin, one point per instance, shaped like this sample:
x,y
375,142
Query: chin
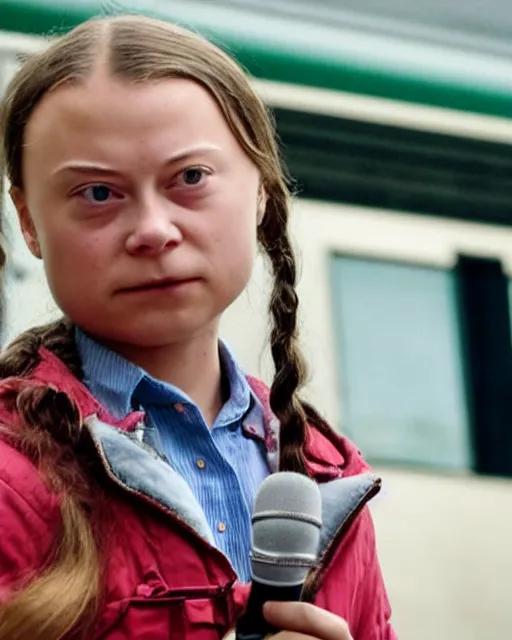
x,y
150,328
151,335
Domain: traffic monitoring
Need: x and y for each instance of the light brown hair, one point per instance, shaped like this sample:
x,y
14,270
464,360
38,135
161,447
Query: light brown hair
x,y
136,49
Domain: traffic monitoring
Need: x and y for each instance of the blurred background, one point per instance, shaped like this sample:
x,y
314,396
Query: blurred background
x,y
394,119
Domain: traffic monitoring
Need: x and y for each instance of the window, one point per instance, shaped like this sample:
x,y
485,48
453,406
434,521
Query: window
x,y
401,371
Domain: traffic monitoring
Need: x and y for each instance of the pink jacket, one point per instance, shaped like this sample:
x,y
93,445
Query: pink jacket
x,y
165,579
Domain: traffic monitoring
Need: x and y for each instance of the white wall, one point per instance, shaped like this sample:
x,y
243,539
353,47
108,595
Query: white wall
x,y
27,299
444,544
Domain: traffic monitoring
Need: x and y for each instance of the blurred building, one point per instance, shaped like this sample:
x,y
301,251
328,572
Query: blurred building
x,y
395,124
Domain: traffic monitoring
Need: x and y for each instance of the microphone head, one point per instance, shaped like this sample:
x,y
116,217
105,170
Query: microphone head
x,y
286,529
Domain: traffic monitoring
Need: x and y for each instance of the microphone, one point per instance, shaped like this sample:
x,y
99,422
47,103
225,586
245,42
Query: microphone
x,y
285,538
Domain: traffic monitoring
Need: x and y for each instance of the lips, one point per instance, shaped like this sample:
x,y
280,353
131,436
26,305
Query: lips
x,y
158,284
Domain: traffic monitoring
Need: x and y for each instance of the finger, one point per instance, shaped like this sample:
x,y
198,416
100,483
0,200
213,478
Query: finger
x,y
306,619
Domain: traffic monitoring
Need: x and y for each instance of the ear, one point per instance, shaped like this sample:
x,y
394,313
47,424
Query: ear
x,y
26,223
262,205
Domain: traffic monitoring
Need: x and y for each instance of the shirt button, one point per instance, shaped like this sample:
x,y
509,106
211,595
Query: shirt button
x,y
180,407
201,464
221,527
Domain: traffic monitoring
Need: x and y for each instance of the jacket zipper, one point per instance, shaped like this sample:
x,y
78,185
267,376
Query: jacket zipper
x,y
314,578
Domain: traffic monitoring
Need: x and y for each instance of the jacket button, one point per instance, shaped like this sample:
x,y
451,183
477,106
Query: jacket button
x,y
201,464
221,527
180,407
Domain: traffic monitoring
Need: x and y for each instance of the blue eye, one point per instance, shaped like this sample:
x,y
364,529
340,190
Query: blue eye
x,y
97,193
192,176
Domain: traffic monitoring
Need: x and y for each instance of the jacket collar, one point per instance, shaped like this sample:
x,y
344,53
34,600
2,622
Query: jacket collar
x,y
328,456
141,471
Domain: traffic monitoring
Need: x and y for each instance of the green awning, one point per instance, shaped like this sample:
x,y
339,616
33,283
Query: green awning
x,y
305,54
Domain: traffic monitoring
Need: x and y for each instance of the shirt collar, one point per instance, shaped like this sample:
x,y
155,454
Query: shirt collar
x,y
122,386
109,377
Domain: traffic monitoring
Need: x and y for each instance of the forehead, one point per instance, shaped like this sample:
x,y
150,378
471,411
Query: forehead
x,y
112,119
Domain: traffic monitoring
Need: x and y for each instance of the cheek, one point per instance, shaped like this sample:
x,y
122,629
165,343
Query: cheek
x,y
73,262
233,251
235,245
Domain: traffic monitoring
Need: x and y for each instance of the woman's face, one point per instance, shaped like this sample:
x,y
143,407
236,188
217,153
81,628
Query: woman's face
x,y
142,205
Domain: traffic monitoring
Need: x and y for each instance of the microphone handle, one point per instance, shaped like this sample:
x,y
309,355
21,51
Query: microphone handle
x,y
252,625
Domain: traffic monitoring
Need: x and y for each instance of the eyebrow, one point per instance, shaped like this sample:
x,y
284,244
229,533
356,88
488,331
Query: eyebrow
x,y
98,169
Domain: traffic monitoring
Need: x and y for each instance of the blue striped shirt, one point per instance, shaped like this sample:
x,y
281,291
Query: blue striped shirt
x,y
223,466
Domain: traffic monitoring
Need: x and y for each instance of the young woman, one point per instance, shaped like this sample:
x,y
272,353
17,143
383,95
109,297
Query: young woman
x,y
145,173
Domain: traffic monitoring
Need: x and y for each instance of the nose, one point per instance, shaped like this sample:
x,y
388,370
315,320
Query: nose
x,y
155,229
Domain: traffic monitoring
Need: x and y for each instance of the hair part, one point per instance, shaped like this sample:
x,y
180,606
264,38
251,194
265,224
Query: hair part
x,y
137,49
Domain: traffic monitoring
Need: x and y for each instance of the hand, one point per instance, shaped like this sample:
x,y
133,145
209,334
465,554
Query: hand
x,y
302,621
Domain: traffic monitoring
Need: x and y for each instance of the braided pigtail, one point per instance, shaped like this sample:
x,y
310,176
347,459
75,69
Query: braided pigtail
x,y
47,429
289,363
